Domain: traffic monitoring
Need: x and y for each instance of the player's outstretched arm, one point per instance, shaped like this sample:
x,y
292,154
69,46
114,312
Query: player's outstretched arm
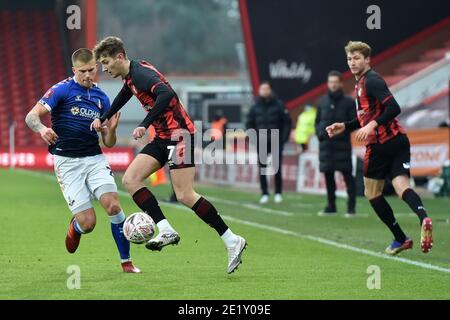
x,y
33,121
121,99
109,136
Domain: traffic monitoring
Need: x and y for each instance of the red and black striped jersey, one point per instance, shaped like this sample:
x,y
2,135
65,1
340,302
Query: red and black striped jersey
x,y
146,83
372,98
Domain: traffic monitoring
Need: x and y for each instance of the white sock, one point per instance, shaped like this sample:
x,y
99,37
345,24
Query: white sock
x,y
118,218
78,228
164,225
229,238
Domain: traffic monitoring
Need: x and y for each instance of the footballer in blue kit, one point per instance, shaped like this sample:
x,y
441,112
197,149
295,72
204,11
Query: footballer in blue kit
x,y
82,170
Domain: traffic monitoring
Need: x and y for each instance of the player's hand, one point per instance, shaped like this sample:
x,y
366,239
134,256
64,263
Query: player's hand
x,y
139,132
335,129
363,133
48,135
114,121
97,125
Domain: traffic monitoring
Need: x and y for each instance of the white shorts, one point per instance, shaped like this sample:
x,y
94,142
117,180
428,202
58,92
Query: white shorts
x,y
83,179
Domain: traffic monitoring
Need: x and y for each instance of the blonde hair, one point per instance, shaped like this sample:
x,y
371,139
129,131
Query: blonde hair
x,y
82,55
360,46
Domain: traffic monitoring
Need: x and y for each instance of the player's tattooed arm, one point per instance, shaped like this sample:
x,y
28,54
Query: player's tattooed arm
x,y
33,121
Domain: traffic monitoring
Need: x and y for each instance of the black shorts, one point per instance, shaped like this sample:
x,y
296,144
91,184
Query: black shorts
x,y
388,160
178,154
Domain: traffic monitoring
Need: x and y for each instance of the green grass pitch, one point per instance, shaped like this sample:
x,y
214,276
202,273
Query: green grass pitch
x,y
292,253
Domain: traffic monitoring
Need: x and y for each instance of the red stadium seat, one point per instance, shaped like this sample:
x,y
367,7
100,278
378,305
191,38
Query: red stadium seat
x,y
33,42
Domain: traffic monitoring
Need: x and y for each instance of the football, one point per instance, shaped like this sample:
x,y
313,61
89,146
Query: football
x,y
139,227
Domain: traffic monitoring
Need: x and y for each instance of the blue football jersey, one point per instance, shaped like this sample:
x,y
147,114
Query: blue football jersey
x,y
73,108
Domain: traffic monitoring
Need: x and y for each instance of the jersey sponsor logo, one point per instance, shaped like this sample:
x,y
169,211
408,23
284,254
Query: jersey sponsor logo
x,y
407,165
75,110
85,113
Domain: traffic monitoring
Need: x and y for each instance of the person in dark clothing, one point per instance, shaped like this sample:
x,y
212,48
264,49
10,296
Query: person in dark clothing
x,y
336,155
269,113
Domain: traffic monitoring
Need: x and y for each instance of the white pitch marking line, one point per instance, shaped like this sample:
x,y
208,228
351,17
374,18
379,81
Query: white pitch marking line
x,y
297,234
339,245
253,206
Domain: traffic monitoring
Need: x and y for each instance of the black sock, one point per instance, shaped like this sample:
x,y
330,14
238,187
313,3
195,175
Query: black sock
x,y
385,213
415,203
145,200
206,211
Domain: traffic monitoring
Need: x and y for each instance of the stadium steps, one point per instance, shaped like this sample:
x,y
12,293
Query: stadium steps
x,y
426,59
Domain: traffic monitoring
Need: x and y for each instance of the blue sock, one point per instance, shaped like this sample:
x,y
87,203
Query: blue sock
x,y
117,231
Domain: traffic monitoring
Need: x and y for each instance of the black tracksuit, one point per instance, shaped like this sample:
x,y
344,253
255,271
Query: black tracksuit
x,y
335,154
270,113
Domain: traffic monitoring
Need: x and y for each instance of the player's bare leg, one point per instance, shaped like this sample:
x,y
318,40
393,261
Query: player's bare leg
x,y
183,185
110,202
373,190
81,223
134,181
404,191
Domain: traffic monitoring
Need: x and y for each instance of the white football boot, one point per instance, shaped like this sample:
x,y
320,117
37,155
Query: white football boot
x,y
234,254
164,238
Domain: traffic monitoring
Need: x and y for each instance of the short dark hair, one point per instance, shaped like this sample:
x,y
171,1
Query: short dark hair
x,y
335,73
82,55
109,47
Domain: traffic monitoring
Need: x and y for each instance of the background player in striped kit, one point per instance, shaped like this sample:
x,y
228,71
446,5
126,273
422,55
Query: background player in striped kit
x,y
387,147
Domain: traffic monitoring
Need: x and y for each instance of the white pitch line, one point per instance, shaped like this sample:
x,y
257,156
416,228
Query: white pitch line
x,y
338,245
295,234
253,207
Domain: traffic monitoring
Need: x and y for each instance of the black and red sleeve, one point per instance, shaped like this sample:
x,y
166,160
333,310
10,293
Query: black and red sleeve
x,y
148,81
120,100
376,87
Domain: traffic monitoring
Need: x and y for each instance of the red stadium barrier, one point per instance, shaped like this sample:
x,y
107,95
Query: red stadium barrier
x,y
39,159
